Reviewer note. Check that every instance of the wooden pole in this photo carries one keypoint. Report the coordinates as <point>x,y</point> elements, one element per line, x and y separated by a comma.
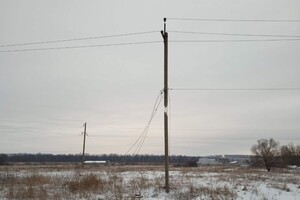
<point>165,37</point>
<point>84,136</point>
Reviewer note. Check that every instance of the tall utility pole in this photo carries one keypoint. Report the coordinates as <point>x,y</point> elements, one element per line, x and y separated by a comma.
<point>84,135</point>
<point>165,37</point>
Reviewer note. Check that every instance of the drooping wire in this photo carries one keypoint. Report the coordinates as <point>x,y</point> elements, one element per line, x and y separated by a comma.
<point>78,39</point>
<point>142,137</point>
<point>140,140</point>
<point>147,128</point>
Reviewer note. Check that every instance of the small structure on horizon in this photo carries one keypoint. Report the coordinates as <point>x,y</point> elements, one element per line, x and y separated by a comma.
<point>208,161</point>
<point>97,162</point>
<point>238,160</point>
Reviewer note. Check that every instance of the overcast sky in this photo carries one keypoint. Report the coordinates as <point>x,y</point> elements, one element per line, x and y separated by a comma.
<point>47,95</point>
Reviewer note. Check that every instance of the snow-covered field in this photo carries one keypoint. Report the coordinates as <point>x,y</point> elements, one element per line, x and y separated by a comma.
<point>124,182</point>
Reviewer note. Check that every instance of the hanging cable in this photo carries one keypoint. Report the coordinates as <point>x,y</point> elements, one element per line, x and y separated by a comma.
<point>142,135</point>
<point>145,131</point>
<point>147,128</point>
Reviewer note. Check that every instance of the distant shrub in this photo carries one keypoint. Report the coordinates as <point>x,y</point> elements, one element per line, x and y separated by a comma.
<point>3,158</point>
<point>290,154</point>
<point>191,163</point>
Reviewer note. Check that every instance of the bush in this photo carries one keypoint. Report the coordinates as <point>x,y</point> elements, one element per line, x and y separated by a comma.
<point>3,158</point>
<point>191,163</point>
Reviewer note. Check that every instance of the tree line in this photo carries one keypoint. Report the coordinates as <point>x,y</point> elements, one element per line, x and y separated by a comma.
<point>265,153</point>
<point>112,158</point>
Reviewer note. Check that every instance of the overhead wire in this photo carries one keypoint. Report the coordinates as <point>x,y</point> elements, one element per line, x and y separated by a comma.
<point>235,20</point>
<point>237,89</point>
<point>140,140</point>
<point>79,39</point>
<point>145,131</point>
<point>234,34</point>
<point>82,46</point>
<point>233,41</point>
<point>148,125</point>
<point>147,42</point>
<point>287,38</point>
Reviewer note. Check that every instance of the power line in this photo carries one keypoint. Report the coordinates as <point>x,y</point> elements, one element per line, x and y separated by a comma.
<point>140,140</point>
<point>233,41</point>
<point>146,42</point>
<point>142,137</point>
<point>78,39</point>
<point>234,20</point>
<point>156,105</point>
<point>78,47</point>
<point>231,129</point>
<point>235,34</point>
<point>237,89</point>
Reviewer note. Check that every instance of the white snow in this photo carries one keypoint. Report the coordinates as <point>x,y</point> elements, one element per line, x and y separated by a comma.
<point>185,183</point>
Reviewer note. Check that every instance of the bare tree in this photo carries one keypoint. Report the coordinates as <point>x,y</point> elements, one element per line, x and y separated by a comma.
<point>266,151</point>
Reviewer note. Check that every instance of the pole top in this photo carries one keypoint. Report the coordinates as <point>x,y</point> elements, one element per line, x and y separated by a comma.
<point>165,25</point>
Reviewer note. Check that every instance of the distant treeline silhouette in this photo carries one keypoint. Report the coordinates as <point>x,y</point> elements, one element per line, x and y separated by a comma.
<point>112,158</point>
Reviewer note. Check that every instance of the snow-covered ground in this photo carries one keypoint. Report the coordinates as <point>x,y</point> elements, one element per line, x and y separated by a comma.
<point>113,182</point>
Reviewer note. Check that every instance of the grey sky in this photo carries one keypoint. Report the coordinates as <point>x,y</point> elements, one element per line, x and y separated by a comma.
<point>46,96</point>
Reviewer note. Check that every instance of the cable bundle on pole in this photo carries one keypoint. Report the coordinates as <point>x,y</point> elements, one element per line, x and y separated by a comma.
<point>137,145</point>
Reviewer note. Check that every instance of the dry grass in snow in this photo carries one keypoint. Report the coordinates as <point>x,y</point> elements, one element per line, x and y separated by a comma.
<point>113,182</point>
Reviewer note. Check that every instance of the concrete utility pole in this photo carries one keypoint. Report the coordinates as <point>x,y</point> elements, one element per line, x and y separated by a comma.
<point>84,135</point>
<point>165,37</point>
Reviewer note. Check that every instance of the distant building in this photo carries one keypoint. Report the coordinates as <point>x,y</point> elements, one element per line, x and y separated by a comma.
<point>208,161</point>
<point>240,160</point>
<point>96,162</point>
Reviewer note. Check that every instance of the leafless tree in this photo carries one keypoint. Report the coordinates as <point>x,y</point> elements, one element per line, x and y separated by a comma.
<point>266,151</point>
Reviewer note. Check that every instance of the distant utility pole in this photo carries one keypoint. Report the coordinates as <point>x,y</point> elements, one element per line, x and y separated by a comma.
<point>165,37</point>
<point>84,135</point>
